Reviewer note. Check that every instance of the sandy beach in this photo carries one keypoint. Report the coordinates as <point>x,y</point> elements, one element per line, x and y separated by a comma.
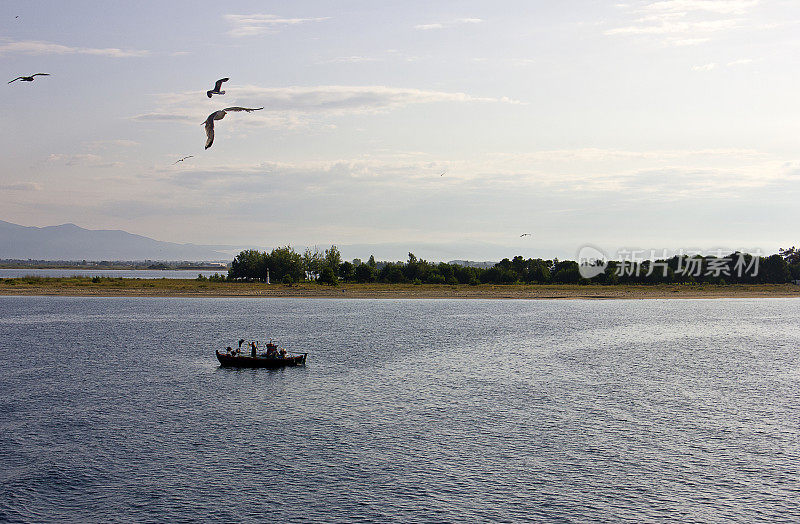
<point>178,288</point>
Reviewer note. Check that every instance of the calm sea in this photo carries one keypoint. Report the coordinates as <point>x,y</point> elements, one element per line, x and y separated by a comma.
<point>112,273</point>
<point>114,409</point>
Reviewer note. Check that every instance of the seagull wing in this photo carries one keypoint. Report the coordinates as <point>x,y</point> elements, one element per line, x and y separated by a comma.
<point>18,78</point>
<point>219,83</point>
<point>210,131</point>
<point>248,109</point>
<point>41,74</point>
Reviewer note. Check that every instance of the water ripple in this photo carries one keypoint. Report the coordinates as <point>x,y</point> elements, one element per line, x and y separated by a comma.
<point>408,411</point>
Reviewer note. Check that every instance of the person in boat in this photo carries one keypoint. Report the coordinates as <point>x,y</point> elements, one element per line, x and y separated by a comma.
<point>282,353</point>
<point>253,346</point>
<point>228,350</point>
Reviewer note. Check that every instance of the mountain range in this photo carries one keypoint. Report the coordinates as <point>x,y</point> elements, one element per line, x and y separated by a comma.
<point>70,242</point>
<point>74,243</point>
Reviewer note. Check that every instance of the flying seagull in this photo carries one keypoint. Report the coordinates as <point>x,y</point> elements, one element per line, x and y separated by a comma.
<point>525,235</point>
<point>182,159</point>
<point>29,78</point>
<point>216,90</point>
<point>219,115</point>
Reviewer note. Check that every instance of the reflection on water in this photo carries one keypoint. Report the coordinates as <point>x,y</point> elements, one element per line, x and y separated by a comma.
<point>407,411</point>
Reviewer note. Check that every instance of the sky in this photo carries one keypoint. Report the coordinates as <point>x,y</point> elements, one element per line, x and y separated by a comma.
<point>447,128</point>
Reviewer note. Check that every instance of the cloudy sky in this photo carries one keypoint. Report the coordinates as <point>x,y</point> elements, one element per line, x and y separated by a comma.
<point>650,124</point>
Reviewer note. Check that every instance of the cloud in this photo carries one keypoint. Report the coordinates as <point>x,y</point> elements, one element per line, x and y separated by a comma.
<point>256,24</point>
<point>726,7</point>
<point>293,106</point>
<point>671,28</point>
<point>312,199</point>
<point>337,198</point>
<point>558,170</point>
<point>684,22</point>
<point>705,67</point>
<point>36,47</point>
<point>520,62</point>
<point>81,160</point>
<point>352,99</point>
<point>21,186</point>
<point>169,117</point>
<point>102,144</point>
<point>451,23</point>
<point>679,42</point>
<point>349,59</point>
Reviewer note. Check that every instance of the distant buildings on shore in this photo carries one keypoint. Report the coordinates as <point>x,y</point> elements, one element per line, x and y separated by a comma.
<point>112,264</point>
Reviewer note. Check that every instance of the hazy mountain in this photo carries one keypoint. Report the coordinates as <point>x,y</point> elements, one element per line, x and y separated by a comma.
<point>70,242</point>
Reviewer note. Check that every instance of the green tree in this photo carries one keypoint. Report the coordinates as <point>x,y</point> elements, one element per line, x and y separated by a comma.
<point>313,262</point>
<point>249,265</point>
<point>365,273</point>
<point>491,275</point>
<point>536,271</point>
<point>790,255</point>
<point>411,270</point>
<point>333,259</point>
<point>284,261</point>
<point>347,271</point>
<point>519,265</point>
<point>446,270</point>
<point>327,277</point>
<point>792,258</point>
<point>466,274</point>
<point>566,272</point>
<point>392,273</point>
<point>774,270</point>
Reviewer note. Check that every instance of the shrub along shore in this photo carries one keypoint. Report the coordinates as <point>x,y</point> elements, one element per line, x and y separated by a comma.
<point>126,287</point>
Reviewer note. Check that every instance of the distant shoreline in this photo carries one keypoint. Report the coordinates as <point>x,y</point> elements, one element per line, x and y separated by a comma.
<point>111,287</point>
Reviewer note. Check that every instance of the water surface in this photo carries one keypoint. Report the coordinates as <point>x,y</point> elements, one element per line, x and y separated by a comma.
<point>114,409</point>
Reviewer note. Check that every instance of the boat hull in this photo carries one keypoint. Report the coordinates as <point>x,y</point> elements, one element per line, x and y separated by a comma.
<point>230,361</point>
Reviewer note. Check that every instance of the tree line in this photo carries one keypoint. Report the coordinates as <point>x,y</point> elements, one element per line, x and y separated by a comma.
<point>287,266</point>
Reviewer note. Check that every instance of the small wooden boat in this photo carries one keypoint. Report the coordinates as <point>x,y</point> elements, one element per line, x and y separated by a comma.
<point>271,359</point>
<point>241,361</point>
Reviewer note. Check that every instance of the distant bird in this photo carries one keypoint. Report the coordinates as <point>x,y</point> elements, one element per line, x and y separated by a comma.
<point>182,159</point>
<point>216,90</point>
<point>443,172</point>
<point>525,235</point>
<point>219,115</point>
<point>29,78</point>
